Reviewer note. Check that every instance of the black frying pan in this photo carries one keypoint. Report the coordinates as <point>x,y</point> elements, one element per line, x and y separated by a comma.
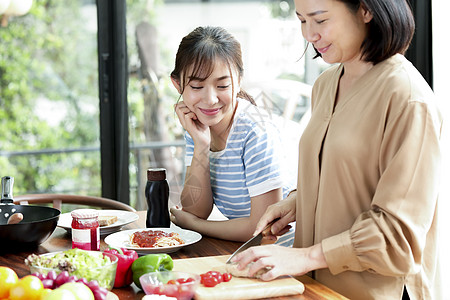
<point>37,225</point>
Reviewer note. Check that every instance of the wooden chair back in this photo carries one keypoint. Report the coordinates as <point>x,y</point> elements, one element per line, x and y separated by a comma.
<point>58,199</point>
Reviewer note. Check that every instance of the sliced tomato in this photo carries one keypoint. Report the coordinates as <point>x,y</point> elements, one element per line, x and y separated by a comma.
<point>226,277</point>
<point>216,274</point>
<point>185,280</point>
<point>210,281</point>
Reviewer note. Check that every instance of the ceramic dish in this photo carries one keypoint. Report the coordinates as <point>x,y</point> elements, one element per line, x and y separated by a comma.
<point>123,218</point>
<point>122,239</point>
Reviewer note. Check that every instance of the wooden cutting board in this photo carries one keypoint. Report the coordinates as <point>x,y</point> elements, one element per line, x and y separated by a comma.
<point>237,287</point>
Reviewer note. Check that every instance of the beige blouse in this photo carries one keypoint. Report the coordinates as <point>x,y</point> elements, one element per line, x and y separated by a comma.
<point>368,182</point>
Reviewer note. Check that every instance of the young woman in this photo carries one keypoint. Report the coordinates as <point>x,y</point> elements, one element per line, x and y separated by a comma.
<point>369,161</point>
<point>234,154</point>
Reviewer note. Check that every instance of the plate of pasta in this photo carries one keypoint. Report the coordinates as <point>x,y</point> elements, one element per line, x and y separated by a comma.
<point>153,240</point>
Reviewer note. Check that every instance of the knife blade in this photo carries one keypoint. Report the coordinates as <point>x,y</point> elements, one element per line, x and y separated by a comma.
<point>254,241</point>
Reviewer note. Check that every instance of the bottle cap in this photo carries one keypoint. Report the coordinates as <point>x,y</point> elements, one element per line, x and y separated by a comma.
<point>156,174</point>
<point>84,213</point>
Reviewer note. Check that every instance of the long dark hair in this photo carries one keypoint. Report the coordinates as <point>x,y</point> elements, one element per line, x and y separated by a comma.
<point>201,48</point>
<point>389,32</point>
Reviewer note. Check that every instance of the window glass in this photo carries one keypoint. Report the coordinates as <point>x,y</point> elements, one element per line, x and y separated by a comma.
<point>49,112</point>
<point>275,68</point>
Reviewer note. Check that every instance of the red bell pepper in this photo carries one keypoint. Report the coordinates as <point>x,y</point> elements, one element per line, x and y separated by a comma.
<point>124,274</point>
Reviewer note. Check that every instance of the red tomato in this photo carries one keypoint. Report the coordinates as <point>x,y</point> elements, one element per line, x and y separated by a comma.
<point>172,281</point>
<point>202,276</point>
<point>210,278</point>
<point>226,277</point>
<point>209,281</point>
<point>216,274</point>
<point>185,280</point>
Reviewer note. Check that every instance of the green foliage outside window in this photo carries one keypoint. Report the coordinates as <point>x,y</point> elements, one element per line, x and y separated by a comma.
<point>48,59</point>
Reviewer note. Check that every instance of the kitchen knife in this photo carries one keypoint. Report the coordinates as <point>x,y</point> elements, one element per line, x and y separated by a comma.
<point>254,241</point>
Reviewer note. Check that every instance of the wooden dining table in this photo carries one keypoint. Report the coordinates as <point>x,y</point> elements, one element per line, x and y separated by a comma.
<point>60,240</point>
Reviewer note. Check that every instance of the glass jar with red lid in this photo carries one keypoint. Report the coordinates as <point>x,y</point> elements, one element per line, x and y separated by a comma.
<point>85,229</point>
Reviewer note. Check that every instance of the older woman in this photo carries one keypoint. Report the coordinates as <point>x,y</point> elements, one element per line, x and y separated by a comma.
<point>369,161</point>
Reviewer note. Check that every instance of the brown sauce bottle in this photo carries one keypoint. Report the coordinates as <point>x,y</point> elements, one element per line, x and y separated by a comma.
<point>157,195</point>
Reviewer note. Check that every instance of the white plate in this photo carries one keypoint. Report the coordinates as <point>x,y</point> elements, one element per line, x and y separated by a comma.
<point>122,239</point>
<point>123,218</point>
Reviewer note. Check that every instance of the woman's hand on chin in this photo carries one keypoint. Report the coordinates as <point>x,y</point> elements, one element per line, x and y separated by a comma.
<point>188,119</point>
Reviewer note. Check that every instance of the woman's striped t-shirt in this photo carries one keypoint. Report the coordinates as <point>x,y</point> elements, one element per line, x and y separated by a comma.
<point>251,164</point>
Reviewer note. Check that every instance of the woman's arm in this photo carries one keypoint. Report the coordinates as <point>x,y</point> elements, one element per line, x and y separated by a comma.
<point>196,197</point>
<point>239,229</point>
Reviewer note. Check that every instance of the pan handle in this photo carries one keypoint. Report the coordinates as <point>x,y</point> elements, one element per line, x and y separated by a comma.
<point>7,189</point>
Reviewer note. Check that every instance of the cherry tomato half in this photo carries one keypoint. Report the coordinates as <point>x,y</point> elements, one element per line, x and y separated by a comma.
<point>216,274</point>
<point>209,280</point>
<point>226,277</point>
<point>185,280</point>
<point>217,277</point>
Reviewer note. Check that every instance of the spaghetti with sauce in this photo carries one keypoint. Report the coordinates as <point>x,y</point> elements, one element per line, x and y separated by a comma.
<point>155,239</point>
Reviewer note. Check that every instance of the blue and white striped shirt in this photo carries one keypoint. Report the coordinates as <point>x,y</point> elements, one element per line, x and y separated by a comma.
<point>251,164</point>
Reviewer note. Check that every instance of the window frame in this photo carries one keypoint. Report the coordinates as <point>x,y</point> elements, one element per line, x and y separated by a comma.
<point>113,82</point>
